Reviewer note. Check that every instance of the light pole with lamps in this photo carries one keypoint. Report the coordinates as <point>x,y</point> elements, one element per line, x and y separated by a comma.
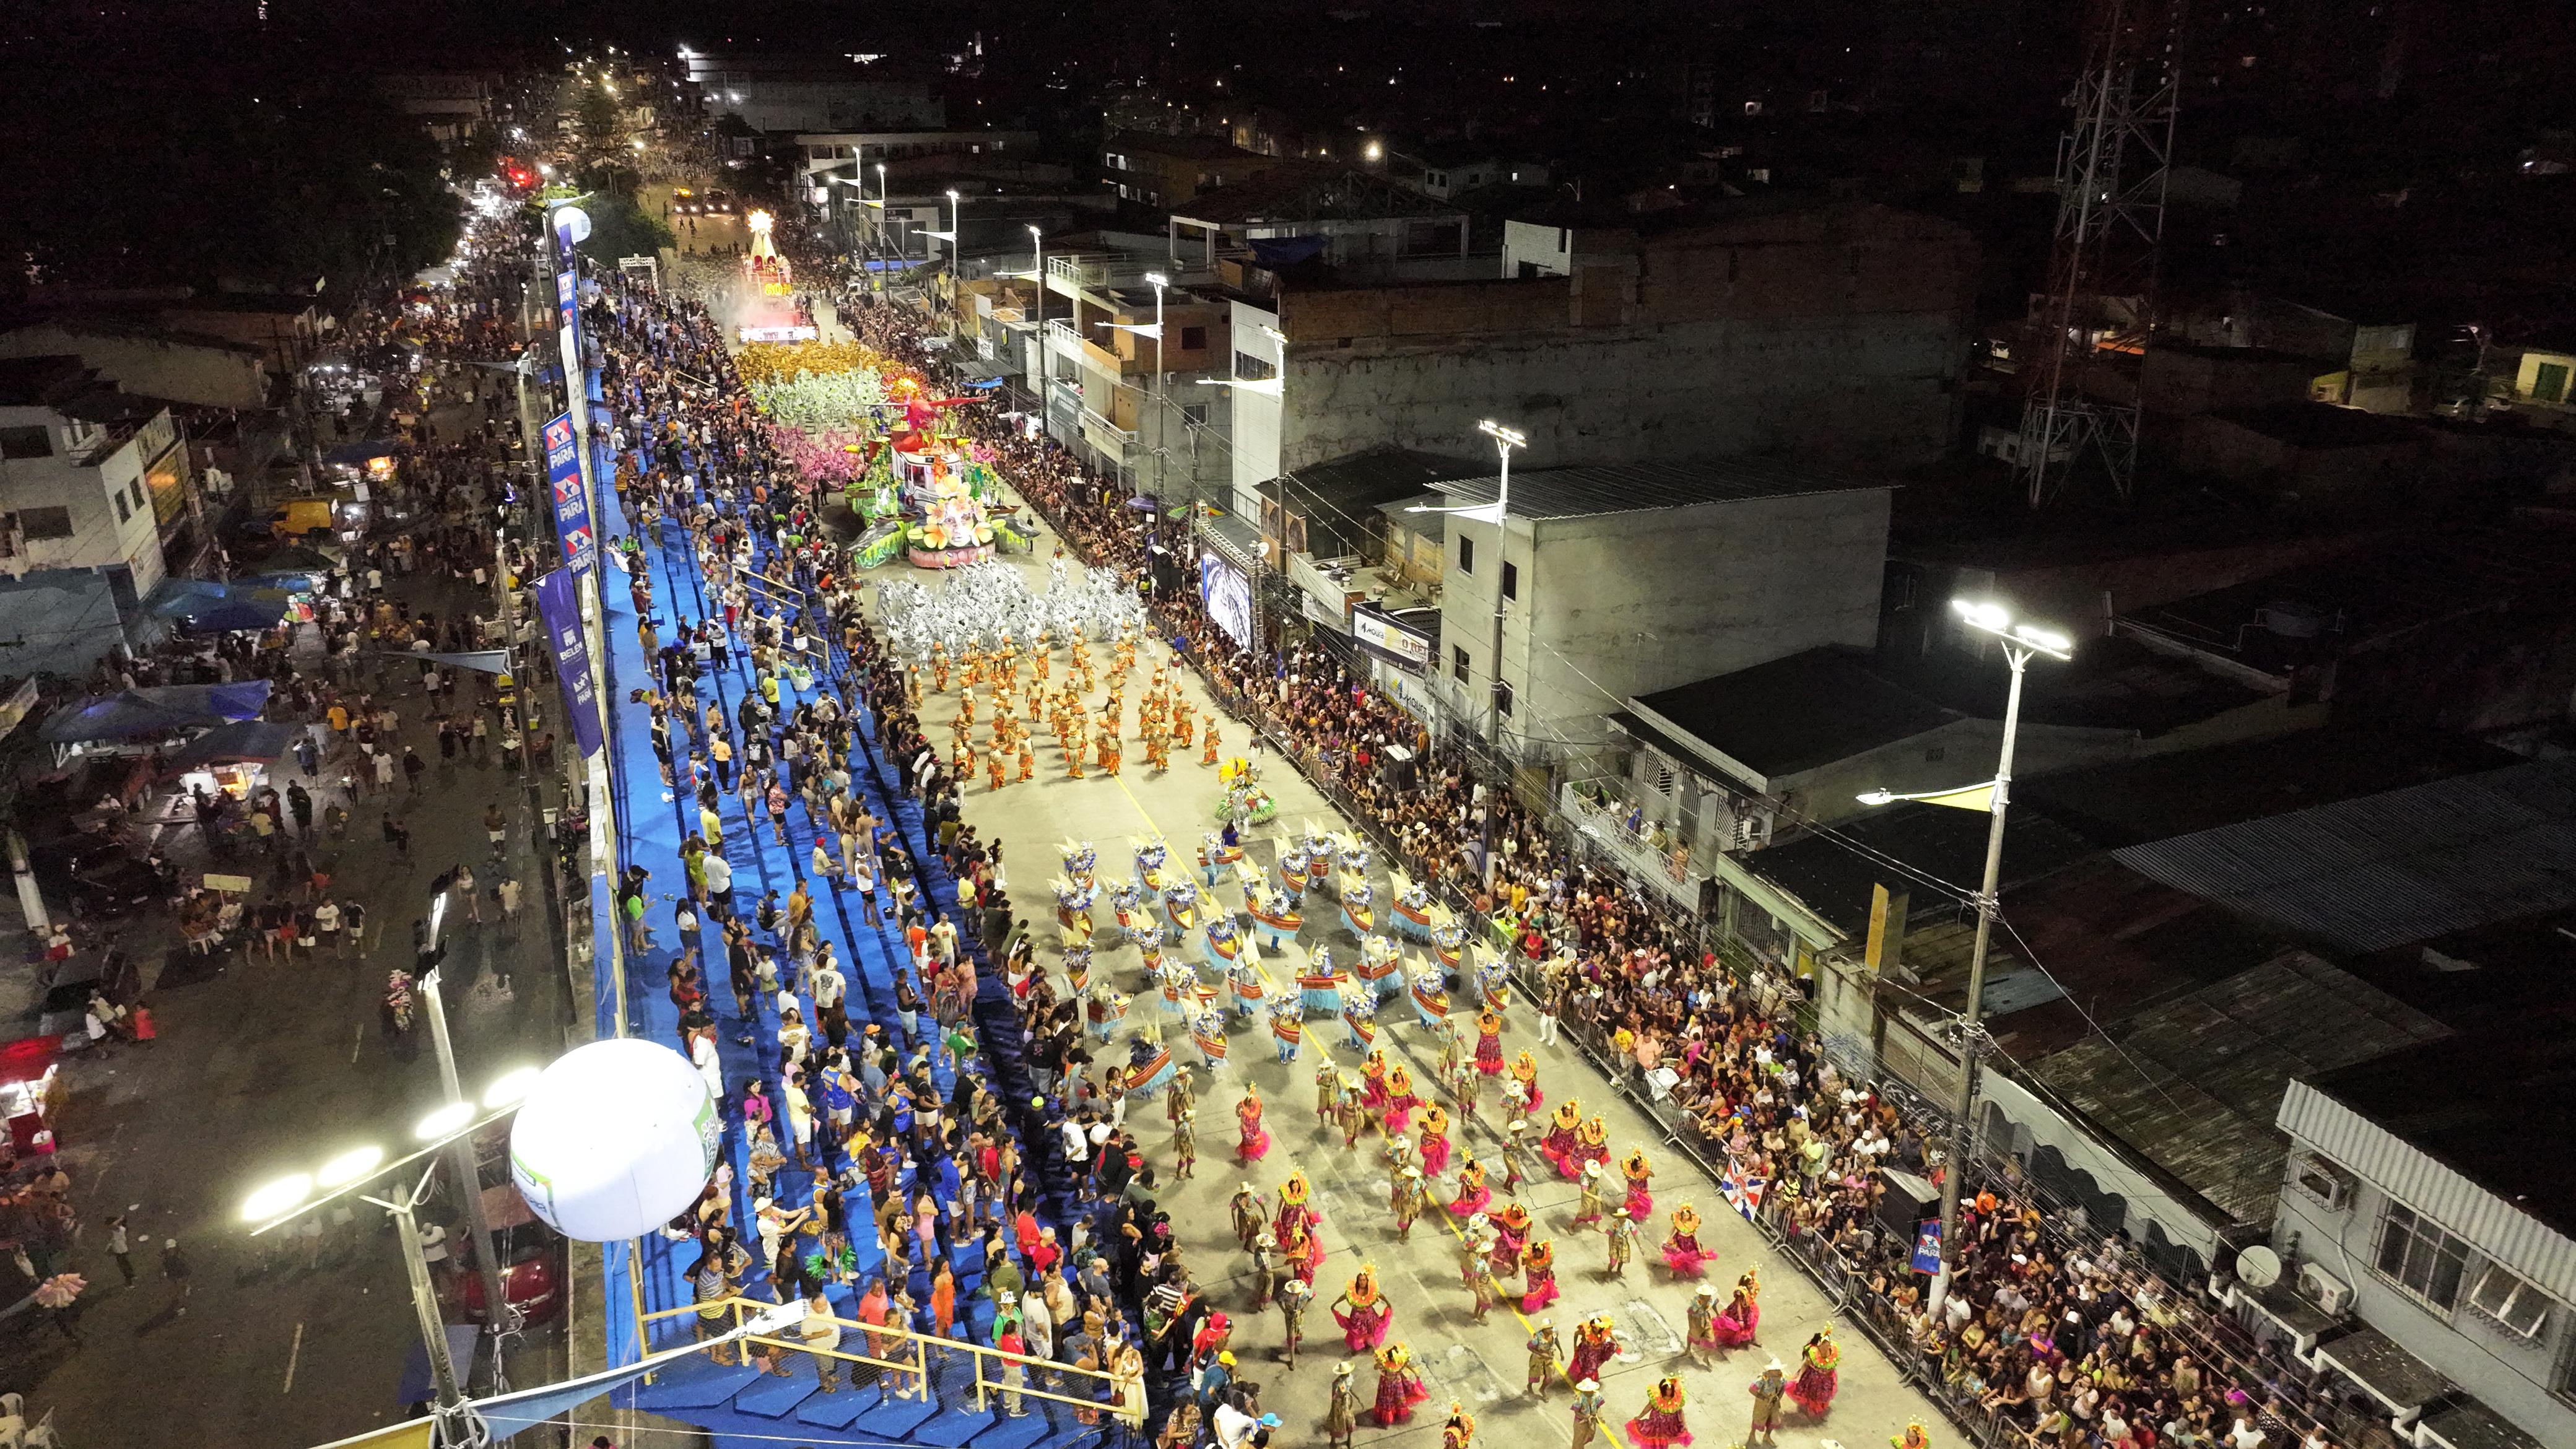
<point>2022,642</point>
<point>469,1170</point>
<point>1505,440</point>
<point>1037,274</point>
<point>288,1198</point>
<point>1158,281</point>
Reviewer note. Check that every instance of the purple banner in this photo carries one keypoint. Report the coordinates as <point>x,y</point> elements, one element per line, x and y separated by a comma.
<point>572,502</point>
<point>559,607</point>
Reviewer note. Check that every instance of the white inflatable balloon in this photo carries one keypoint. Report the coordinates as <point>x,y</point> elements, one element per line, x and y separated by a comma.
<point>616,1139</point>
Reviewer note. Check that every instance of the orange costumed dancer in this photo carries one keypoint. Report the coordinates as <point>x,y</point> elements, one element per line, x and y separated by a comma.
<point>1564,1135</point>
<point>1256,1138</point>
<point>1399,1387</point>
<point>1489,1042</point>
<point>1819,1374</point>
<point>1525,1072</point>
<point>1641,1203</point>
<point>1363,1312</point>
<point>1538,1275</point>
<point>1435,1140</point>
<point>1682,1251</point>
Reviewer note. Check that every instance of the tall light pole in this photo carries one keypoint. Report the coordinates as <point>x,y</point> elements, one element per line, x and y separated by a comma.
<point>1037,274</point>
<point>469,1171</point>
<point>956,231</point>
<point>2022,642</point>
<point>884,199</point>
<point>288,1198</point>
<point>1158,281</point>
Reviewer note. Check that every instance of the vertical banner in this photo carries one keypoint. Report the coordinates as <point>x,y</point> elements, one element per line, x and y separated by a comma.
<point>1927,1246</point>
<point>568,298</point>
<point>560,607</point>
<point>572,502</point>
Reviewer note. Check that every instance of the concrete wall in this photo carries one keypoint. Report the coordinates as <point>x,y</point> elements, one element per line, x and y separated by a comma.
<point>1257,415</point>
<point>1852,391</point>
<point>99,537</point>
<point>209,374</point>
<point>1630,603</point>
<point>2509,1373</point>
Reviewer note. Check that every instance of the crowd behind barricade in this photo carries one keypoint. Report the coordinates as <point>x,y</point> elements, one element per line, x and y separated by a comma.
<point>2053,1334</point>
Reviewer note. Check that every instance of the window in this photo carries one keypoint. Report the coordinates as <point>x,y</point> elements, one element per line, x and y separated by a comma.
<point>2508,1300</point>
<point>44,523</point>
<point>1503,699</point>
<point>2322,1180</point>
<point>1194,339</point>
<point>1457,660</point>
<point>1195,414</point>
<point>1466,555</point>
<point>2416,1255</point>
<point>1511,579</point>
<point>134,490</point>
<point>1248,368</point>
<point>124,510</point>
<point>35,442</point>
<point>2548,384</point>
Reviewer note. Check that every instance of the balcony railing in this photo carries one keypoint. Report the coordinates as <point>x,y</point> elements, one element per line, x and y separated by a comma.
<point>1061,338</point>
<point>1671,867</point>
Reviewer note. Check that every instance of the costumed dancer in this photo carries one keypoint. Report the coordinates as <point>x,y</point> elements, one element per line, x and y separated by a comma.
<point>1294,1295</point>
<point>1587,1412</point>
<point>1399,1387</point>
<point>1265,1270</point>
<point>1767,1391</point>
<point>1246,1208</point>
<point>1406,1202</point>
<point>1511,1235</point>
<point>1363,1311</point>
<point>1564,1135</point>
<point>1544,1351</point>
<point>1701,1330</point>
<point>1400,1099</point>
<point>1819,1374</point>
<point>1459,1432</point>
<point>1538,1276</point>
<point>1735,1327</point>
<point>1489,1042</point>
<point>1473,1195</point>
<point>1516,1155</point>
<point>1659,1425</point>
<point>1525,1073</point>
<point>1435,1140</point>
<point>1287,1031</point>
<point>1255,1138</point>
<point>1623,1242</point>
<point>1595,1344</point>
<point>1641,1203</point>
<point>1682,1252</point>
<point>1341,1414</point>
<point>1914,1437</point>
<point>1592,1144</point>
<point>1185,1143</point>
<point>1589,1213</point>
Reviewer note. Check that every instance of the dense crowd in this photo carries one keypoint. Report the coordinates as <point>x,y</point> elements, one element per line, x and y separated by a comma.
<point>2051,1331</point>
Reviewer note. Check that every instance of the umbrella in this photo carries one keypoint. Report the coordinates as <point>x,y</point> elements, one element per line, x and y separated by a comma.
<point>59,1290</point>
<point>254,741</point>
<point>204,604</point>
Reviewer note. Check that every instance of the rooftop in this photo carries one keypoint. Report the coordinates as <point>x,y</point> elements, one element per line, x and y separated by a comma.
<point>1203,148</point>
<point>2112,684</point>
<point>2498,1107</point>
<point>38,381</point>
<point>1596,489</point>
<point>1924,844</point>
<point>2194,1083</point>
<point>1795,713</point>
<point>1368,478</point>
<point>2381,870</point>
<point>1300,193</point>
<point>2134,801</point>
<point>2322,425</point>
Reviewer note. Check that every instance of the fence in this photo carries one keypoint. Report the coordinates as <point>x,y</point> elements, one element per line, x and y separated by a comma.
<point>1115,1395</point>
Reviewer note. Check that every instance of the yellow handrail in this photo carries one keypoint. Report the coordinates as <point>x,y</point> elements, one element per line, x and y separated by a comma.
<point>1126,1396</point>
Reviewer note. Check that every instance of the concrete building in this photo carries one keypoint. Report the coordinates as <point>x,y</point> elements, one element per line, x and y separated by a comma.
<point>288,329</point>
<point>783,95</point>
<point>1612,581</point>
<point>89,481</point>
<point>1444,170</point>
<point>2307,454</point>
<point>2544,383</point>
<point>1823,331</point>
<point>846,162</point>
<point>2363,348</point>
<point>197,368</point>
<point>1151,169</point>
<point>2427,1235</point>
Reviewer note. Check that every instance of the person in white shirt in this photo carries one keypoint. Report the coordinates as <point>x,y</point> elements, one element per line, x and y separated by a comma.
<point>821,1336</point>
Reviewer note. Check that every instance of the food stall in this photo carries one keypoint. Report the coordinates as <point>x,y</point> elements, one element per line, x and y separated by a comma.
<point>28,1070</point>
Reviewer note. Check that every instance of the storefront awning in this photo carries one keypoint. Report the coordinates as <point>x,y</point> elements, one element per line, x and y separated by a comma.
<point>2381,1369</point>
<point>2472,1425</point>
<point>250,741</point>
<point>142,714</point>
<point>205,604</point>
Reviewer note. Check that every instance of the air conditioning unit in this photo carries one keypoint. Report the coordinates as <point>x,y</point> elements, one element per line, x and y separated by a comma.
<point>2330,1293</point>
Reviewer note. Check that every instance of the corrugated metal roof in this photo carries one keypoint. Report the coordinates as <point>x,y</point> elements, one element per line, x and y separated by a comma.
<point>1600,488</point>
<point>2382,870</point>
<point>2493,1226</point>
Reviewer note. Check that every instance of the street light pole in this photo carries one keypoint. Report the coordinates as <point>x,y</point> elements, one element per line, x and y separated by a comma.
<point>1037,274</point>
<point>2022,642</point>
<point>1505,440</point>
<point>497,1312</point>
<point>448,1415</point>
<point>1159,282</point>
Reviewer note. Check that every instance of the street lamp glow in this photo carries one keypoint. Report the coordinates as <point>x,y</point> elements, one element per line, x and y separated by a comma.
<point>1508,437</point>
<point>277,1197</point>
<point>349,1166</point>
<point>444,1120</point>
<point>510,1088</point>
<point>1992,617</point>
<point>1995,619</point>
<point>1157,279</point>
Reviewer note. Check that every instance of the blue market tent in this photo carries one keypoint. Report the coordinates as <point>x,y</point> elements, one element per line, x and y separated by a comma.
<point>254,741</point>
<point>142,714</point>
<point>205,604</point>
<point>292,567</point>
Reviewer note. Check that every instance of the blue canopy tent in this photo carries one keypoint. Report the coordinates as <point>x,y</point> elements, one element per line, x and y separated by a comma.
<point>293,567</point>
<point>250,741</point>
<point>205,604</point>
<point>143,714</point>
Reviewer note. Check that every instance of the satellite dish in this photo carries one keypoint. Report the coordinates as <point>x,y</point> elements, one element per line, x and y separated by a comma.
<point>2258,1266</point>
